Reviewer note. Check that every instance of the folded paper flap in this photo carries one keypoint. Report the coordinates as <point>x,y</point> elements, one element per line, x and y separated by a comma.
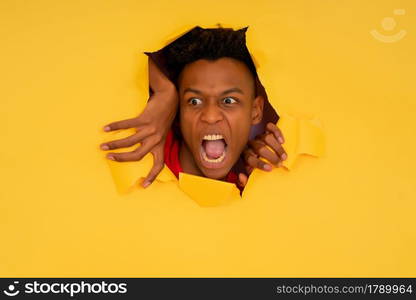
<point>289,128</point>
<point>302,136</point>
<point>126,175</point>
<point>310,139</point>
<point>206,191</point>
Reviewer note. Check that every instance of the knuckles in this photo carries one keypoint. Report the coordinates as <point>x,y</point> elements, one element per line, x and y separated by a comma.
<point>269,138</point>
<point>266,153</point>
<point>152,130</point>
<point>157,137</point>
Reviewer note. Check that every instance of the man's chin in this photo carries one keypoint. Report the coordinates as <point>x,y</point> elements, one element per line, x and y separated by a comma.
<point>216,174</point>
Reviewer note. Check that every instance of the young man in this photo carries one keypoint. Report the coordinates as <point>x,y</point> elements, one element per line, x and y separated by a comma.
<point>217,107</point>
<point>216,84</point>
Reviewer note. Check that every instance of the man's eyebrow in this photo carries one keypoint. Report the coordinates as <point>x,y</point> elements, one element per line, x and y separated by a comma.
<point>235,90</point>
<point>192,91</point>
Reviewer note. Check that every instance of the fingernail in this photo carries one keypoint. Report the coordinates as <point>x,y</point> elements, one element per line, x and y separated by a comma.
<point>107,128</point>
<point>105,147</point>
<point>267,167</point>
<point>284,156</point>
<point>281,141</point>
<point>109,156</point>
<point>146,184</point>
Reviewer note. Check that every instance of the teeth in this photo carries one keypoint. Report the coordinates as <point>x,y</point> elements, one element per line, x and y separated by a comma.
<point>213,137</point>
<point>217,160</point>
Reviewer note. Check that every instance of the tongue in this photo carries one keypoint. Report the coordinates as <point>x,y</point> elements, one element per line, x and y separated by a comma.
<point>214,149</point>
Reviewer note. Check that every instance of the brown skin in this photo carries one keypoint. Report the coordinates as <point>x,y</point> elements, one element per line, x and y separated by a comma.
<point>216,97</point>
<point>155,121</point>
<point>152,125</point>
<point>267,145</point>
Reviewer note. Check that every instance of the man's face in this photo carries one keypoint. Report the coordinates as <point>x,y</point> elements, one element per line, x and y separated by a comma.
<point>217,109</point>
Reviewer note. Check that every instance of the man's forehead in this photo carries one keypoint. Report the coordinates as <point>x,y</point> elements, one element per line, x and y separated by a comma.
<point>214,89</point>
<point>218,75</point>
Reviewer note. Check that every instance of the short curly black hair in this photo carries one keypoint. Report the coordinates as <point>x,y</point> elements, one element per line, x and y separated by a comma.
<point>211,44</point>
<point>201,43</point>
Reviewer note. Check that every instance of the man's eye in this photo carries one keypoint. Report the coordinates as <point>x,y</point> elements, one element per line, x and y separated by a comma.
<point>195,101</point>
<point>229,100</point>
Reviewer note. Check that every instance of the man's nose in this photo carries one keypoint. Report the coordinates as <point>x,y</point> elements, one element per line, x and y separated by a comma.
<point>211,114</point>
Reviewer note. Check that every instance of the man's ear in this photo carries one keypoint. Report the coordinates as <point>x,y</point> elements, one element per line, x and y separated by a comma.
<point>257,110</point>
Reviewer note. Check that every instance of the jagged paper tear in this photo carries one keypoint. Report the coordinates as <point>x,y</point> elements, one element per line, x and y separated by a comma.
<point>301,137</point>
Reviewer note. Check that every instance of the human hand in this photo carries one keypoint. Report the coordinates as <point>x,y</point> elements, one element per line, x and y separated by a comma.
<point>152,126</point>
<point>267,146</point>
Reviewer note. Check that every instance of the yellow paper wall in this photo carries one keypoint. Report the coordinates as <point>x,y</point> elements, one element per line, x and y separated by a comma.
<point>69,67</point>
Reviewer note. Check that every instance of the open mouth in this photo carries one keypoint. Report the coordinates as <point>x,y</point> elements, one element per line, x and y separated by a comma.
<point>213,149</point>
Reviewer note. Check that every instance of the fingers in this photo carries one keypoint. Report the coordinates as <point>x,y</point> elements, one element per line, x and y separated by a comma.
<point>135,155</point>
<point>124,124</point>
<point>276,132</point>
<point>242,180</point>
<point>249,169</point>
<point>261,149</point>
<point>126,142</point>
<point>158,164</point>
<point>273,143</point>
<point>253,161</point>
<point>273,138</point>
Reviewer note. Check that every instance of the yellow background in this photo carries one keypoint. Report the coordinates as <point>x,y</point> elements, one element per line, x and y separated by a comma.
<point>69,67</point>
